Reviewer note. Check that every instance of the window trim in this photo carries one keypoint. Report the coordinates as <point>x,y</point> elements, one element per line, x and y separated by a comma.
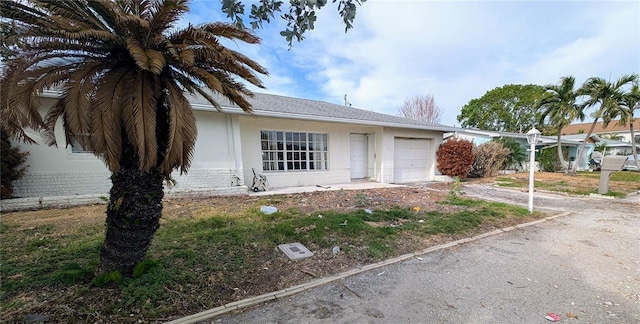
<point>75,144</point>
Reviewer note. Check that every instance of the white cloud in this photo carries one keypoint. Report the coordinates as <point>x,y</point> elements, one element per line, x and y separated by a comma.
<point>455,51</point>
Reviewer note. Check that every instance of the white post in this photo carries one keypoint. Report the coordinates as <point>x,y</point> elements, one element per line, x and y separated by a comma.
<point>532,162</point>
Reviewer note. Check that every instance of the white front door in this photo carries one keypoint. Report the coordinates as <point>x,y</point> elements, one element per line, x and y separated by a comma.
<point>358,156</point>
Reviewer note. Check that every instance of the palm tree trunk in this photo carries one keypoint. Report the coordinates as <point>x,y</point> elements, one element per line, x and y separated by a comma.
<point>133,215</point>
<point>559,145</point>
<point>634,151</point>
<point>584,143</point>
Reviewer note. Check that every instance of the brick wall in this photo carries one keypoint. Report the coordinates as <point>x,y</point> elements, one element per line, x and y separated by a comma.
<point>60,184</point>
<point>47,184</point>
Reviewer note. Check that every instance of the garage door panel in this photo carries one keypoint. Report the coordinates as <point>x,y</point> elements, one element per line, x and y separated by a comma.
<point>412,159</point>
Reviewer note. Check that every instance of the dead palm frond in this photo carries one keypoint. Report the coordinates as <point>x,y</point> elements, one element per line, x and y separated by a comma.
<point>122,71</point>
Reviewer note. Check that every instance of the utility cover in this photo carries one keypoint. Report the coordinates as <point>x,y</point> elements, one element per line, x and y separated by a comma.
<point>295,251</point>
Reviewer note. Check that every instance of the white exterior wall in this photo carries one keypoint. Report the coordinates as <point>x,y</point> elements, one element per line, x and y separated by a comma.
<point>387,149</point>
<point>227,147</point>
<point>55,171</point>
<point>216,160</point>
<point>338,151</point>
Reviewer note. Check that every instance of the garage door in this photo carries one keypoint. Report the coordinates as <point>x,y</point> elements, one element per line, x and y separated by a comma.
<point>412,159</point>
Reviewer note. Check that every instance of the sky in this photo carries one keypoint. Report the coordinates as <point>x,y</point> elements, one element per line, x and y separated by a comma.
<point>455,51</point>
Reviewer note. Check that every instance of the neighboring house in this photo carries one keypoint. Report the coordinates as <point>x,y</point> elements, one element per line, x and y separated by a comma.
<point>616,147</point>
<point>613,130</point>
<point>293,142</point>
<point>569,144</point>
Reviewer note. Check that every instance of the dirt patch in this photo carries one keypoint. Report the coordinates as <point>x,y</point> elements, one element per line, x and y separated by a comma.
<point>273,271</point>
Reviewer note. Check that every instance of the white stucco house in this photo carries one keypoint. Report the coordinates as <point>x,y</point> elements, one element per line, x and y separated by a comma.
<point>293,142</point>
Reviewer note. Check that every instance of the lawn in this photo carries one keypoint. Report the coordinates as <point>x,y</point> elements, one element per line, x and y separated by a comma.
<point>584,183</point>
<point>212,251</point>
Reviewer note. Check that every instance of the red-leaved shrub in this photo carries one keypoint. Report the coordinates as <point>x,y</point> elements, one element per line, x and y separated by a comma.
<point>455,157</point>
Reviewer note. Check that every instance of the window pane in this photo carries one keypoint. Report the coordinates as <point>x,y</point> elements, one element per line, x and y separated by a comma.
<point>294,151</point>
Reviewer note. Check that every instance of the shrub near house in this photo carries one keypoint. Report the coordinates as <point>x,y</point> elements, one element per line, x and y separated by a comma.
<point>490,157</point>
<point>455,157</point>
<point>13,167</point>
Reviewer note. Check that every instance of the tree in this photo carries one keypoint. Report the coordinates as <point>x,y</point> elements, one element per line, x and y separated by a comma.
<point>631,102</point>
<point>609,97</point>
<point>517,153</point>
<point>13,167</point>
<point>123,68</point>
<point>422,108</point>
<point>560,108</point>
<point>300,18</point>
<point>510,108</point>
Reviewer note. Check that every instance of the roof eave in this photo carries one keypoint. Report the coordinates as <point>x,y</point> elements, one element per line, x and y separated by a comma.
<point>274,114</point>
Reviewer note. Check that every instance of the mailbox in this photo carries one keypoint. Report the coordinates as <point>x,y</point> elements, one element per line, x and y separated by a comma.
<point>610,164</point>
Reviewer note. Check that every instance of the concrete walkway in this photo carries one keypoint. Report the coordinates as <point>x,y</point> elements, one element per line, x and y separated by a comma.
<point>353,185</point>
<point>583,264</point>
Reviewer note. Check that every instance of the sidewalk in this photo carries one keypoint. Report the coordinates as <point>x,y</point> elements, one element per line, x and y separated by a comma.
<point>354,185</point>
<point>582,265</point>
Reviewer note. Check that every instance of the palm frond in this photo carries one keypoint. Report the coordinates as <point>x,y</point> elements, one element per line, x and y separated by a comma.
<point>143,108</point>
<point>182,133</point>
<point>123,70</point>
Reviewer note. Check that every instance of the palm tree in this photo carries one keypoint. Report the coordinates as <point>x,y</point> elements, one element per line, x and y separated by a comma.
<point>631,102</point>
<point>608,95</point>
<point>559,104</point>
<point>123,69</point>
<point>517,154</point>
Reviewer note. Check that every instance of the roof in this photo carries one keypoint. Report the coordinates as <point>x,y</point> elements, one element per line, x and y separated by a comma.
<point>275,106</point>
<point>615,143</point>
<point>544,140</point>
<point>584,127</point>
<point>268,105</point>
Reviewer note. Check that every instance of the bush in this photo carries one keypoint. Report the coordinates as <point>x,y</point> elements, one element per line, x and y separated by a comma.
<point>489,158</point>
<point>517,154</point>
<point>13,167</point>
<point>548,161</point>
<point>455,157</point>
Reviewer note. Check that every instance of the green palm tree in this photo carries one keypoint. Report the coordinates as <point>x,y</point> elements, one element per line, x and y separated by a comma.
<point>609,96</point>
<point>123,69</point>
<point>517,154</point>
<point>631,102</point>
<point>559,106</point>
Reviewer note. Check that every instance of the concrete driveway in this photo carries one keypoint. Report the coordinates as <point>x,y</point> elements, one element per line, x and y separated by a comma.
<point>584,266</point>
